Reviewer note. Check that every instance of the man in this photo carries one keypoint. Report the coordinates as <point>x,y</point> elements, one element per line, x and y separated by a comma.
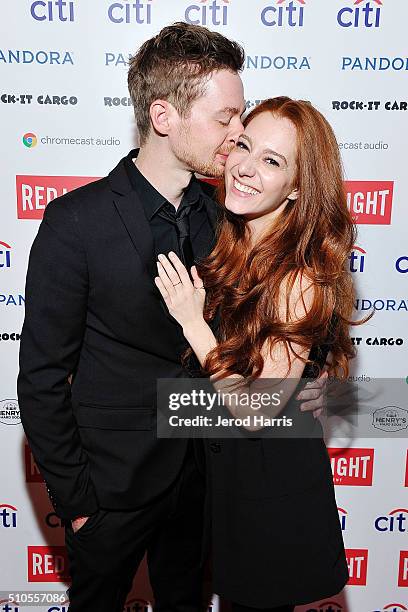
<point>121,491</point>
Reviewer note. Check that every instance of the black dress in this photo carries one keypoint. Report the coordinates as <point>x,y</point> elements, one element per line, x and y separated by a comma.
<point>276,535</point>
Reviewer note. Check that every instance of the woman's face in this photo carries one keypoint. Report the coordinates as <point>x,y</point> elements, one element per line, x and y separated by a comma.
<point>260,170</point>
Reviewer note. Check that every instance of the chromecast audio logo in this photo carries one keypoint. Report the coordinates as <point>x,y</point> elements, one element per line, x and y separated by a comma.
<point>29,140</point>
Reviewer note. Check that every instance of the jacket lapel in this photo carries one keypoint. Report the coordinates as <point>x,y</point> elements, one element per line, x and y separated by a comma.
<point>133,217</point>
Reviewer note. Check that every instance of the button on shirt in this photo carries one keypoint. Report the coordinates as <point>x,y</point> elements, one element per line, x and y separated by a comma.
<point>159,211</point>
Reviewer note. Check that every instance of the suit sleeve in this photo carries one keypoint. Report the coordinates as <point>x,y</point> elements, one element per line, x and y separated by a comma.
<point>53,330</point>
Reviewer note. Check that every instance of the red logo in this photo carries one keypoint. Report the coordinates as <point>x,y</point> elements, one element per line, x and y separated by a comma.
<point>352,466</point>
<point>357,559</point>
<point>370,202</point>
<point>47,564</point>
<point>403,569</point>
<point>35,192</point>
<point>406,471</point>
<point>31,469</point>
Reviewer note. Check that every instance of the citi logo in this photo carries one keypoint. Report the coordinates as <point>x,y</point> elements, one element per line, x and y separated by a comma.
<point>7,607</point>
<point>8,516</point>
<point>5,257</point>
<point>327,606</point>
<point>357,259</point>
<point>290,14</point>
<point>208,13</point>
<point>357,560</point>
<point>364,14</point>
<point>394,521</point>
<point>139,11</point>
<point>59,10</point>
<point>343,518</point>
<point>392,607</point>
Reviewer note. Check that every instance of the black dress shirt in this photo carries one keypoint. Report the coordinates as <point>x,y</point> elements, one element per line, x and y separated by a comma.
<point>163,230</point>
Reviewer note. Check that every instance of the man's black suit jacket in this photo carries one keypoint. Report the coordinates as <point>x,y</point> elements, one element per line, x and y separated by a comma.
<point>92,309</point>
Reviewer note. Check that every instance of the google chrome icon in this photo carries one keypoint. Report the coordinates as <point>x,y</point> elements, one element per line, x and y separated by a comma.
<point>30,140</point>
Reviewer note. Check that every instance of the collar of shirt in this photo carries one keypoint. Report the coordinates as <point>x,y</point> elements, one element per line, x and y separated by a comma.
<point>152,200</point>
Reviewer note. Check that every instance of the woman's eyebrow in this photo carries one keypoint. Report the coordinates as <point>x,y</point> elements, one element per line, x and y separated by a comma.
<point>265,150</point>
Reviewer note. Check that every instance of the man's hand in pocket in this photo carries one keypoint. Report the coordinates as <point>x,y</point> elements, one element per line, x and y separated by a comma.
<point>78,523</point>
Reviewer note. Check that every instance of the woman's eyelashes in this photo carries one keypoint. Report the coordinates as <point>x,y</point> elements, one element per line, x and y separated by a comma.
<point>269,160</point>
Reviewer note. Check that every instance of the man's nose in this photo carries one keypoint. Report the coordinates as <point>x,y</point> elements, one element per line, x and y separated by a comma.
<point>236,130</point>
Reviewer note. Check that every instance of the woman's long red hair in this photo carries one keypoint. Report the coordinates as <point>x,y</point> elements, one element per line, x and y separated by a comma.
<point>313,235</point>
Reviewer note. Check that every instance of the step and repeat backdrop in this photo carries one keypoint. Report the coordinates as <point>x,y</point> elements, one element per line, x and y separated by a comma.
<point>66,119</point>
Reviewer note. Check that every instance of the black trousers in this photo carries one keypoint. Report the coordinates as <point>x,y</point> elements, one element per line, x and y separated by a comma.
<point>105,553</point>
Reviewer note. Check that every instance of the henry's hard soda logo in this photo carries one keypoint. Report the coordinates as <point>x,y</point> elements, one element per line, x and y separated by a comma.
<point>394,521</point>
<point>8,516</point>
<point>363,14</point>
<point>284,13</point>
<point>352,466</point>
<point>403,569</point>
<point>357,559</point>
<point>208,13</point>
<point>370,202</point>
<point>47,564</point>
<point>35,192</point>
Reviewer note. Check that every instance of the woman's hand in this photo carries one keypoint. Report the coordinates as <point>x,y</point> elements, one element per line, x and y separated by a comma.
<point>184,299</point>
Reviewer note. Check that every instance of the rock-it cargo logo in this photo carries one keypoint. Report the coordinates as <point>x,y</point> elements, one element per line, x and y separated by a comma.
<point>352,466</point>
<point>395,521</point>
<point>357,560</point>
<point>363,14</point>
<point>403,569</point>
<point>390,418</point>
<point>30,140</point>
<point>285,13</point>
<point>370,202</point>
<point>327,606</point>
<point>9,412</point>
<point>8,516</point>
<point>5,255</point>
<point>208,13</point>
<point>47,564</point>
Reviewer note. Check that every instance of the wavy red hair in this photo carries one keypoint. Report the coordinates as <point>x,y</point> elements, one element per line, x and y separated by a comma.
<point>313,236</point>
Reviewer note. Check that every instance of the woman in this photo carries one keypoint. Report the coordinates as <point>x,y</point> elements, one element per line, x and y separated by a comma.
<point>277,282</point>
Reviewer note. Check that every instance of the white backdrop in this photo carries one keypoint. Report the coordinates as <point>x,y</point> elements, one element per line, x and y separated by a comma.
<point>66,119</point>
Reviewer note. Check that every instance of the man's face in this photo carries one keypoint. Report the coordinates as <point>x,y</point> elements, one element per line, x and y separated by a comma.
<point>203,139</point>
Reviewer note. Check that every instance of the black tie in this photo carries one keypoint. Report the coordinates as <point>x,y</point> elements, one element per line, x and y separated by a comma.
<point>182,223</point>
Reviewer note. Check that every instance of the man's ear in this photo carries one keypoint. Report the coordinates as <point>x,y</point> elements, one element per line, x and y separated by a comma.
<point>293,195</point>
<point>161,115</point>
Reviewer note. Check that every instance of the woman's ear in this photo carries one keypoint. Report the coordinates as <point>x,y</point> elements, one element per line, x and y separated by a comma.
<point>293,195</point>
